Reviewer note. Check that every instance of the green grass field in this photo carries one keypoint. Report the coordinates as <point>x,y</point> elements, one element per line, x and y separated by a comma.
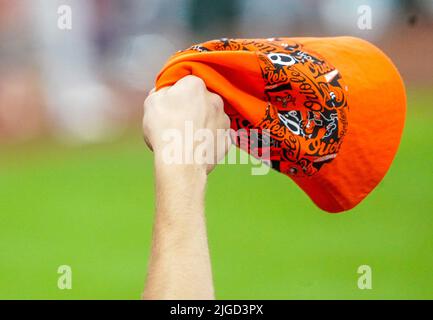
<point>91,208</point>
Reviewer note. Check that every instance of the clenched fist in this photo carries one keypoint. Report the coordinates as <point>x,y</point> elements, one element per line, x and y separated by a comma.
<point>186,122</point>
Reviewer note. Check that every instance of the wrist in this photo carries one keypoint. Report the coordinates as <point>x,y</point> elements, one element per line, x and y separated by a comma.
<point>180,187</point>
<point>190,169</point>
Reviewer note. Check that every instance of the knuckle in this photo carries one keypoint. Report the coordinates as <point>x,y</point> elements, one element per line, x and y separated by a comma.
<point>149,100</point>
<point>196,81</point>
<point>217,101</point>
<point>191,82</point>
<point>226,121</point>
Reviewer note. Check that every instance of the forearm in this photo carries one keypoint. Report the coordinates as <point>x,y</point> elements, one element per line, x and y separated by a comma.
<point>179,264</point>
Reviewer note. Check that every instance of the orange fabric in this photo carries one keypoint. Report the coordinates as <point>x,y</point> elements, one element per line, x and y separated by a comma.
<point>334,107</point>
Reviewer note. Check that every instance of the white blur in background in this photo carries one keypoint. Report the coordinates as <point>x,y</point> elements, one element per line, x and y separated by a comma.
<point>87,84</point>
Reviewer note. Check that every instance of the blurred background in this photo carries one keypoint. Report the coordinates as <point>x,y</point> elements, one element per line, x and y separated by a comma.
<point>76,184</point>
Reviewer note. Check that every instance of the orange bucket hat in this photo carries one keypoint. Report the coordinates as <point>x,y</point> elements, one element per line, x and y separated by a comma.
<point>334,108</point>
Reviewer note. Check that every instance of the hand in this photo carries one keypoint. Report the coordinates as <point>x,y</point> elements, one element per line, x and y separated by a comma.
<point>179,265</point>
<point>176,109</point>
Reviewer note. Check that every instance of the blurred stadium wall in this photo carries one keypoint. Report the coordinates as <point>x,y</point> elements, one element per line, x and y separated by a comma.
<point>87,84</point>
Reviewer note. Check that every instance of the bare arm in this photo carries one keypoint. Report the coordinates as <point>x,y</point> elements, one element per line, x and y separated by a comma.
<point>180,263</point>
<point>179,266</point>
